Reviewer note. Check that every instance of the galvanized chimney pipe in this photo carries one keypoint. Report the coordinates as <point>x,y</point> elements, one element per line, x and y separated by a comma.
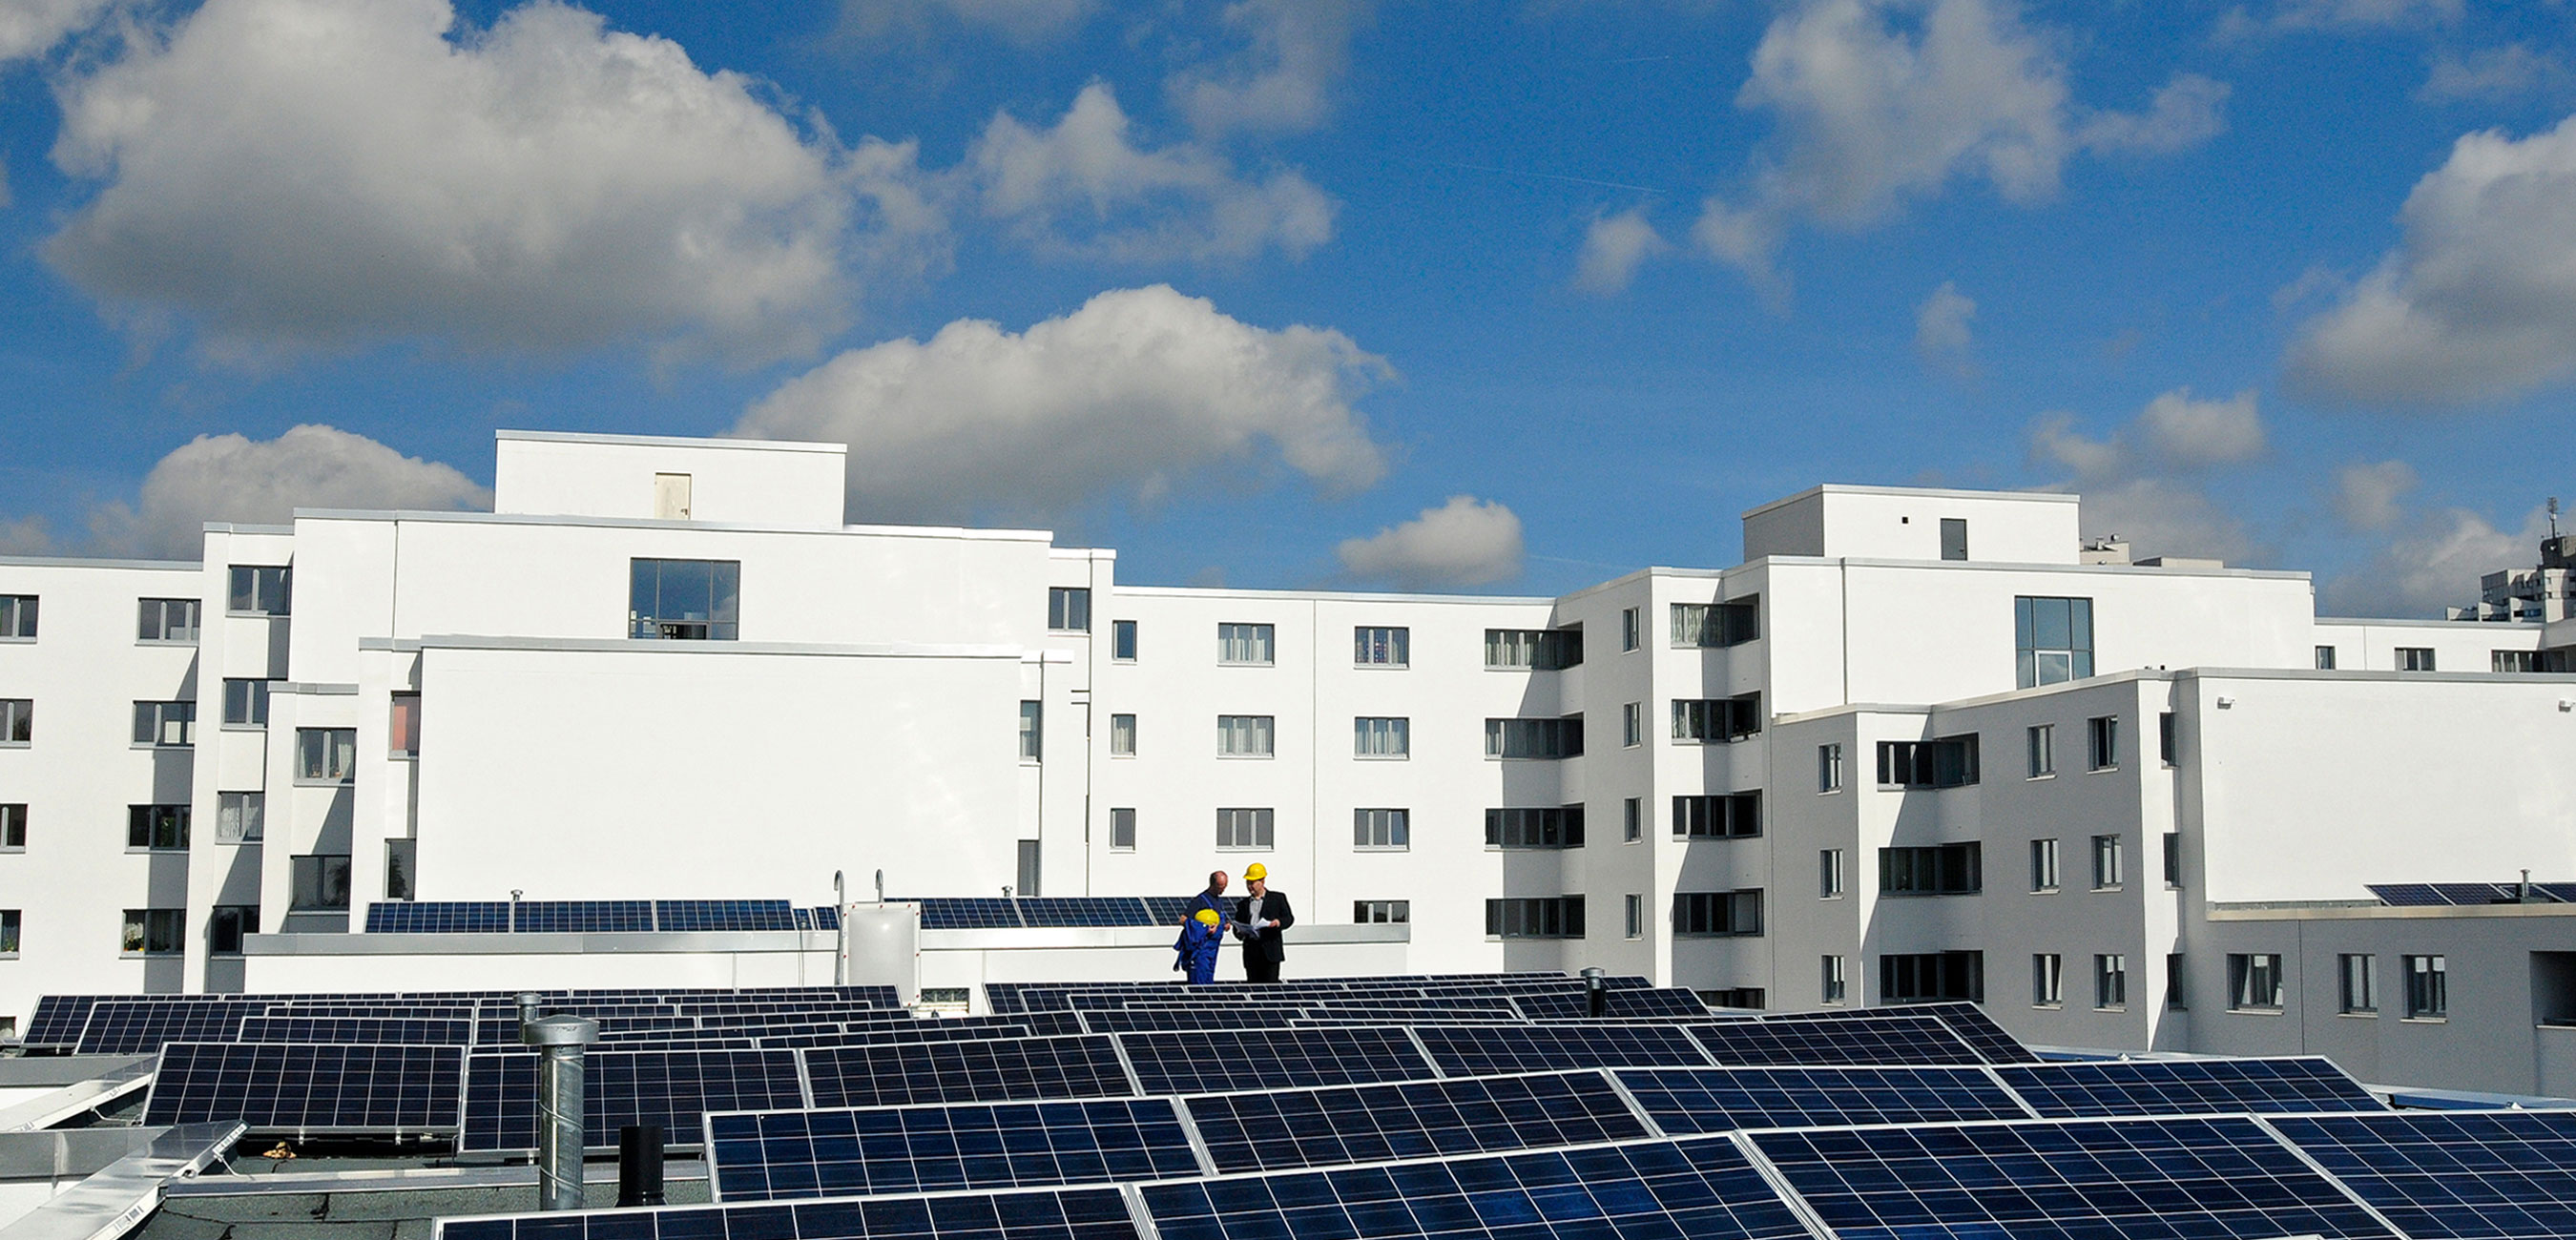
<point>560,1136</point>
<point>1596,992</point>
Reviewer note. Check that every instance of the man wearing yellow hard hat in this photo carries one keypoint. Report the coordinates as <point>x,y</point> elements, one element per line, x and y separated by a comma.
<point>1258,919</point>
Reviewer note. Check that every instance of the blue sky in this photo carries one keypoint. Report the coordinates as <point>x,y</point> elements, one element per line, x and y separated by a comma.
<point>1508,296</point>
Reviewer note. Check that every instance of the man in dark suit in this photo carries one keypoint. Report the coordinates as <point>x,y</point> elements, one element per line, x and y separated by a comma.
<point>1258,919</point>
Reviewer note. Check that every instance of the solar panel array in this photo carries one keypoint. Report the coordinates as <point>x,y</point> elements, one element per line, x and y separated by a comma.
<point>840,1153</point>
<point>2199,1086</point>
<point>1037,1214</point>
<point>592,916</point>
<point>2505,1174</point>
<point>986,1071</point>
<point>2425,895</point>
<point>1268,1131</point>
<point>1230,1059</point>
<point>1698,1100</point>
<point>1882,1036</point>
<point>1482,1050</point>
<point>671,1088</point>
<point>304,1088</point>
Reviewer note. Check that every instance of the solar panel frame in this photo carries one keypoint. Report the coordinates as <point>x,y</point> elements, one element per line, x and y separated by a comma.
<point>1081,911</point>
<point>787,1155</point>
<point>1273,1130</point>
<point>57,1020</point>
<point>1228,1060</point>
<point>142,1026</point>
<point>2278,1084</point>
<point>1881,1036</point>
<point>669,1087</point>
<point>2452,1175</point>
<point>1487,1050</point>
<point>1687,1101</point>
<point>438,917</point>
<point>582,917</point>
<point>1970,1022</point>
<point>970,913</point>
<point>454,1030</point>
<point>1020,1214</point>
<point>307,1088</point>
<point>980,1070</point>
<point>704,916</point>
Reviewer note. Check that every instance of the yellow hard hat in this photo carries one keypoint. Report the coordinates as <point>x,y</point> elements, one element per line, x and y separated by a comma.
<point>1256,870</point>
<point>1207,917</point>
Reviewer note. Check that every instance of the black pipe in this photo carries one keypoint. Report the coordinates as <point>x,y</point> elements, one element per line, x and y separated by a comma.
<point>639,1165</point>
<point>1596,993</point>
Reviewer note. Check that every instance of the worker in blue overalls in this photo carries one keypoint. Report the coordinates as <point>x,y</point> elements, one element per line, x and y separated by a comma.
<point>1211,901</point>
<point>1200,939</point>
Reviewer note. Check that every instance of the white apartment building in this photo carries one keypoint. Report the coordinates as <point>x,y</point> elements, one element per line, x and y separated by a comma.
<point>1916,745</point>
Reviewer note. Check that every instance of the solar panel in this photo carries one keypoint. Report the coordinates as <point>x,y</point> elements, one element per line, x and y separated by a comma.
<point>2476,893</point>
<point>2190,1086</point>
<point>1647,1191</point>
<point>582,917</point>
<point>1082,911</point>
<point>141,1026</point>
<point>1550,1005</point>
<point>1979,1030</point>
<point>848,1153</point>
<point>1654,1001</point>
<point>1223,1060</point>
<point>1273,1130</point>
<point>1698,1100</point>
<point>282,1088</point>
<point>2564,893</point>
<point>991,1070</point>
<point>452,1030</point>
<point>689,916</point>
<point>980,913</point>
<point>439,917</point>
<point>1030,1214</point>
<point>1168,910</point>
<point>2502,1174</point>
<point>2407,895</point>
<point>58,1019</point>
<point>1859,1038</point>
<point>672,1088</point>
<point>1485,1050</point>
<point>2195,1177</point>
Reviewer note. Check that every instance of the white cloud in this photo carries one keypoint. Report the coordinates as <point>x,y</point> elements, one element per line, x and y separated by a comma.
<point>2367,497</point>
<point>1083,188</point>
<point>2479,300</point>
<point>1613,247</point>
<point>330,172</point>
<point>232,478</point>
<point>1284,83</point>
<point>33,27</point>
<point>25,536</point>
<point>1134,393</point>
<point>2186,112</point>
<point>2490,74</point>
<point>2435,563</point>
<point>2162,516</point>
<point>2337,14</point>
<point>1024,22</point>
<point>1465,542</point>
<point>1941,331</point>
<point>2175,433</point>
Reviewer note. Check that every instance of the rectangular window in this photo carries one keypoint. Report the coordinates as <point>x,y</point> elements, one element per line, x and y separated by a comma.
<point>154,932</point>
<point>1534,738</point>
<point>2110,981</point>
<point>259,590</point>
<point>2325,658</point>
<point>241,817</point>
<point>2108,871</point>
<point>2516,660</point>
<point>1949,762</point>
<point>2102,743</point>
<point>1069,609</point>
<point>2047,980</point>
<point>1632,724</point>
<point>1032,731</point>
<point>17,617</point>
<point>1931,870</point>
<point>1636,917</point>
<point>1716,624</point>
<point>2043,750</point>
<point>1381,912</point>
<point>1382,830</point>
<point>326,755</point>
<point>1382,646</point>
<point>1253,645</point>
<point>1829,767</point>
<point>1122,736</point>
<point>2428,988</point>
<point>13,827</point>
<point>2052,640</point>
<point>157,827</point>
<point>1837,987</point>
<point>2414,658</point>
<point>17,721</point>
<point>166,620</point>
<point>1538,917</point>
<point>226,926</point>
<point>245,703</point>
<point>1245,736</point>
<point>1630,621</point>
<point>1932,975</point>
<point>1718,816</point>
<point>1243,828</point>
<point>2173,859</point>
<point>1954,538</point>
<point>1381,737</point>
<point>1122,830</point>
<point>1032,856</point>
<point>1632,815</point>
<point>1829,873</point>
<point>2168,748</point>
<point>1717,914</point>
<point>1553,826</point>
<point>2359,992</point>
<point>1540,650</point>
<point>402,861</point>
<point>402,727</point>
<point>2043,865</point>
<point>1741,998</point>
<point>2177,996</point>
<point>9,922</point>
<point>1122,641</point>
<point>1712,721</point>
<point>684,600</point>
<point>318,881</point>
<point>165,723</point>
<point>2253,982</point>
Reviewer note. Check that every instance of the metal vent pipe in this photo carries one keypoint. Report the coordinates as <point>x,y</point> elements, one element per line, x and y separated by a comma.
<point>560,1135</point>
<point>1596,992</point>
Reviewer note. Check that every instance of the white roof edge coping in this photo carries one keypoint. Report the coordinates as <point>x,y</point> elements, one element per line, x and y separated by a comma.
<point>1854,488</point>
<point>2354,675</point>
<point>2143,570</point>
<point>2457,626</point>
<point>675,441</point>
<point>1328,596</point>
<point>629,645</point>
<point>307,688</point>
<point>237,527</point>
<point>528,518</point>
<point>1084,553</point>
<point>81,561</point>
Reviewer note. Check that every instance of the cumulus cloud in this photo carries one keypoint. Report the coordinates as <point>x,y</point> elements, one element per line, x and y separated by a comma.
<point>1881,101</point>
<point>232,478</point>
<point>1132,394</point>
<point>2163,516</point>
<point>2142,482</point>
<point>25,536</point>
<point>1613,247</point>
<point>1941,331</point>
<point>299,173</point>
<point>2479,300</point>
<point>2292,15</point>
<point>2434,563</point>
<point>33,27</point>
<point>1465,542</point>
<point>1284,82</point>
<point>2367,497</point>
<point>1083,188</point>
<point>2490,74</point>
<point>1024,22</point>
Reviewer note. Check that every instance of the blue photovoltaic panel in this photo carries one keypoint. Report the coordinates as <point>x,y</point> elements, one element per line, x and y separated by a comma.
<point>276,1088</point>
<point>441,917</point>
<point>1028,1214</point>
<point>58,1019</point>
<point>1979,1030</point>
<point>2407,895</point>
<point>970,913</point>
<point>683,916</point>
<point>987,1070</point>
<point>2190,1086</point>
<point>1484,1050</point>
<point>2472,1175</point>
<point>1226,1060</point>
<point>1275,1130</point>
<point>1697,1100</point>
<point>827,917</point>
<point>673,1088</point>
<point>1168,910</point>
<point>582,917</point>
<point>1082,911</point>
<point>451,1030</point>
<point>1654,1190</point>
<point>2162,1179</point>
<point>879,1035</point>
<point>2475,893</point>
<point>1654,1001</point>
<point>855,1153</point>
<point>141,1026</point>
<point>1554,1005</point>
<point>2564,893</point>
<point>1886,1037</point>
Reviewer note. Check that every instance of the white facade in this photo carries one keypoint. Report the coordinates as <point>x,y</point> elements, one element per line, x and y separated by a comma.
<point>860,708</point>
